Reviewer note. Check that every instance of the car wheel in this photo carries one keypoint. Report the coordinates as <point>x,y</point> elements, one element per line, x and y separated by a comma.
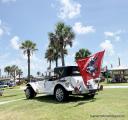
<point>30,93</point>
<point>60,94</point>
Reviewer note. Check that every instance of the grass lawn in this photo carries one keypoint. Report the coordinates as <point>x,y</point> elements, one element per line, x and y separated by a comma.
<point>107,102</point>
<point>11,94</point>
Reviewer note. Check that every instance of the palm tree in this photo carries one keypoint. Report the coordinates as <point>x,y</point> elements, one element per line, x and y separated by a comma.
<point>65,36</point>
<point>28,48</point>
<point>49,55</point>
<point>38,73</point>
<point>19,72</point>
<point>54,44</point>
<point>7,69</point>
<point>13,71</point>
<point>82,53</point>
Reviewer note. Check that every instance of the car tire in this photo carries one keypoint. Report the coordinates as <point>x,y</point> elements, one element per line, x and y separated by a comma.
<point>60,94</point>
<point>30,93</point>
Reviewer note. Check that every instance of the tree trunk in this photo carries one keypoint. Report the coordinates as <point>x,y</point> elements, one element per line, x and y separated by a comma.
<point>14,76</point>
<point>57,62</point>
<point>50,64</point>
<point>8,73</point>
<point>62,52</point>
<point>19,77</point>
<point>63,63</point>
<point>50,67</point>
<point>28,54</point>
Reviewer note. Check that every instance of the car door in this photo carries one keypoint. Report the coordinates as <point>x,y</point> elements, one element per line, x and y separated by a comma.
<point>49,83</point>
<point>49,86</point>
<point>40,86</point>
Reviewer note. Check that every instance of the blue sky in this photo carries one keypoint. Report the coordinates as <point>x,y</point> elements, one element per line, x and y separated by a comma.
<point>98,24</point>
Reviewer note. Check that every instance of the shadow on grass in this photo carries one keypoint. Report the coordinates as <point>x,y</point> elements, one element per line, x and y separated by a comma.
<point>85,102</point>
<point>80,100</point>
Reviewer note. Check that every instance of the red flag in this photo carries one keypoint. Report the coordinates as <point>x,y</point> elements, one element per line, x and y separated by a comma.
<point>90,67</point>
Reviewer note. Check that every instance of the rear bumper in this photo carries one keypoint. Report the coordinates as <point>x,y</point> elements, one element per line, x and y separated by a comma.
<point>93,91</point>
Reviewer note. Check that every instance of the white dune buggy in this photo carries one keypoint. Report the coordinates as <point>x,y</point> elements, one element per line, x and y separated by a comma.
<point>61,82</point>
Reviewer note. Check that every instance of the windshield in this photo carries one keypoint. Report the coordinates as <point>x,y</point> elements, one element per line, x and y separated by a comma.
<point>67,71</point>
<point>74,71</point>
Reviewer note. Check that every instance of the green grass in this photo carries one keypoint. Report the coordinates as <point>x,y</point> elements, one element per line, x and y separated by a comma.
<point>11,94</point>
<point>107,102</point>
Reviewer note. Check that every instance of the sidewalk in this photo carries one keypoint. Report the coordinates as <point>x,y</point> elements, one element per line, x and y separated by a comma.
<point>5,102</point>
<point>115,86</point>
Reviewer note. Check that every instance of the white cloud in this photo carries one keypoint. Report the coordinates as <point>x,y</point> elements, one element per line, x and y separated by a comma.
<point>1,32</point>
<point>109,34</point>
<point>117,38</point>
<point>3,29</point>
<point>82,29</point>
<point>15,42</point>
<point>69,9</point>
<point>108,46</point>
<point>7,1</point>
<point>113,35</point>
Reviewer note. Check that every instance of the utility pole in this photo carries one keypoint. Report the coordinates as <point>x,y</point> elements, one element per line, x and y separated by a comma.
<point>119,61</point>
<point>111,66</point>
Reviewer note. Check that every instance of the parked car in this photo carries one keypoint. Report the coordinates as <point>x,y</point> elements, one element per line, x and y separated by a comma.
<point>62,82</point>
<point>11,83</point>
<point>3,84</point>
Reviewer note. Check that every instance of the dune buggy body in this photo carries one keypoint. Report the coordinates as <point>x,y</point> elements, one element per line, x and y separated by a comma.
<point>61,82</point>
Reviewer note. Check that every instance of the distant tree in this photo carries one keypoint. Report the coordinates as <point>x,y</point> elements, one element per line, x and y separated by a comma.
<point>13,72</point>
<point>19,72</point>
<point>54,45</point>
<point>49,55</point>
<point>42,74</point>
<point>82,53</point>
<point>38,73</point>
<point>7,69</point>
<point>28,48</point>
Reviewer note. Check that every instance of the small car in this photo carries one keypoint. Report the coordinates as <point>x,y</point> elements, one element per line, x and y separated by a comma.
<point>11,83</point>
<point>62,82</point>
<point>3,84</point>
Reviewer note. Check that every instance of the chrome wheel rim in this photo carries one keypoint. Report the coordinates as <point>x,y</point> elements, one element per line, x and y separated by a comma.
<point>27,93</point>
<point>59,94</point>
